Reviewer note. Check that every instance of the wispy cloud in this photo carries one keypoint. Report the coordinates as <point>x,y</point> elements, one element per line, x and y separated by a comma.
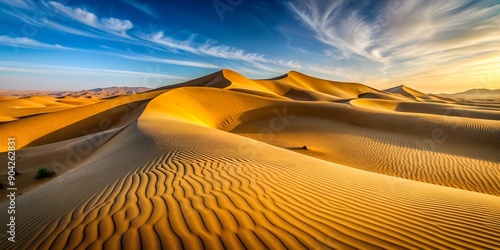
<point>227,52</point>
<point>66,29</point>
<point>204,47</point>
<point>17,67</point>
<point>107,24</point>
<point>253,62</point>
<point>398,30</point>
<point>409,39</point>
<point>201,46</point>
<point>44,21</point>
<point>336,72</point>
<point>202,50</point>
<point>142,7</point>
<point>170,43</point>
<point>23,4</point>
<point>334,25</point>
<point>25,42</point>
<point>146,58</point>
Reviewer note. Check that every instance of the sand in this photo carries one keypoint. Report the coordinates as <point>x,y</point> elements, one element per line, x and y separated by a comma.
<point>13,108</point>
<point>218,162</point>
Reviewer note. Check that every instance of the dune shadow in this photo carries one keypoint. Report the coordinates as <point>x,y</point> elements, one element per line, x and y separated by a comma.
<point>397,129</point>
<point>296,148</point>
<point>449,110</point>
<point>96,123</point>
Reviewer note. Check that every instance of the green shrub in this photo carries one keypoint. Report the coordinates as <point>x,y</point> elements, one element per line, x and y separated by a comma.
<point>44,173</point>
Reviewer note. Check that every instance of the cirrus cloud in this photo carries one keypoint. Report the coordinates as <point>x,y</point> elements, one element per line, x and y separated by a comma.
<point>448,42</point>
<point>111,24</point>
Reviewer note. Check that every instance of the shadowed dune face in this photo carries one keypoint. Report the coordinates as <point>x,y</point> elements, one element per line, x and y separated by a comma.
<point>27,103</point>
<point>228,162</point>
<point>464,111</point>
<point>379,137</point>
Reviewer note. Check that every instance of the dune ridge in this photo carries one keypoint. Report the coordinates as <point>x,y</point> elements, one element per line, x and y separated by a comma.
<point>218,162</point>
<point>13,108</point>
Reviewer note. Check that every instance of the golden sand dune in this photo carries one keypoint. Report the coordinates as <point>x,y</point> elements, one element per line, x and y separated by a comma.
<point>219,162</point>
<point>96,93</point>
<point>60,157</point>
<point>417,95</point>
<point>464,111</point>
<point>391,143</point>
<point>13,108</point>
<point>298,86</point>
<point>20,103</point>
<point>6,97</point>
<point>72,123</point>
<point>384,96</point>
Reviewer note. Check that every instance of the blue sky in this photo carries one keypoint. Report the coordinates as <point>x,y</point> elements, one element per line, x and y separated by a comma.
<point>434,46</point>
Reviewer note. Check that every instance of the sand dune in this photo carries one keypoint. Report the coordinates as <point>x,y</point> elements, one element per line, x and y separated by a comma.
<point>415,94</point>
<point>72,123</point>
<point>6,97</point>
<point>89,93</point>
<point>384,96</point>
<point>464,111</point>
<point>342,134</point>
<point>13,108</point>
<point>218,162</point>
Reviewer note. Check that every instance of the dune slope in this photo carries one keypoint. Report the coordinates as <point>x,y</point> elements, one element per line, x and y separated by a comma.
<point>189,192</point>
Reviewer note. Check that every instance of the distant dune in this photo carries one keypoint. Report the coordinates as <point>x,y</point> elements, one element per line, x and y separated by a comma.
<point>224,161</point>
<point>15,104</point>
<point>492,95</point>
<point>480,92</point>
<point>90,93</point>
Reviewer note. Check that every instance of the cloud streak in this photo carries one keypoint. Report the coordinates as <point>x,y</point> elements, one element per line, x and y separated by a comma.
<point>255,63</point>
<point>142,7</point>
<point>66,29</point>
<point>116,30</point>
<point>232,53</point>
<point>24,42</point>
<point>146,58</point>
<point>204,47</point>
<point>23,4</point>
<point>407,39</point>
<point>398,30</point>
<point>56,69</point>
<point>107,24</point>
